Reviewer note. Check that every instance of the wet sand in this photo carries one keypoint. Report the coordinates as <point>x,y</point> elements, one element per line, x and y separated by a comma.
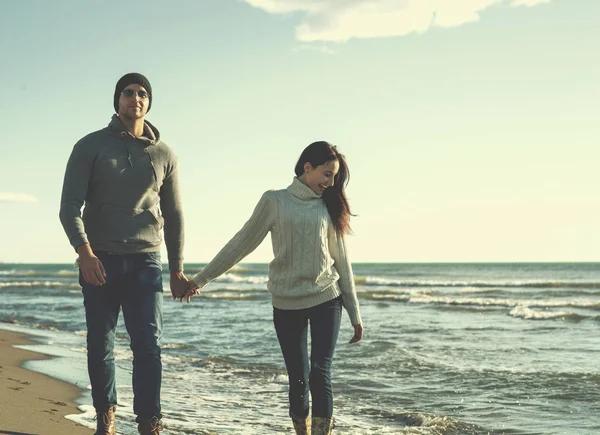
<point>32,403</point>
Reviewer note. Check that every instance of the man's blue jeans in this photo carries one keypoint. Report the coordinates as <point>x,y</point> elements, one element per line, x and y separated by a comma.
<point>291,327</point>
<point>134,282</point>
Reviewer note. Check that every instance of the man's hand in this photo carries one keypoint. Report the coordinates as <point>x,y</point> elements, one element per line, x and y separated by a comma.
<point>92,269</point>
<point>358,333</point>
<point>181,287</point>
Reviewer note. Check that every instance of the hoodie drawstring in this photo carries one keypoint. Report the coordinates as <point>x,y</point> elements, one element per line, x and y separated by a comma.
<point>124,136</point>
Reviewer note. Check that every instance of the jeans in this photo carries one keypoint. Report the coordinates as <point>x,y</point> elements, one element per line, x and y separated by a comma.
<point>134,282</point>
<point>291,327</point>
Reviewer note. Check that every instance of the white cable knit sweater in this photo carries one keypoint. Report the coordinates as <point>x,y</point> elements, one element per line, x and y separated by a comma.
<point>311,265</point>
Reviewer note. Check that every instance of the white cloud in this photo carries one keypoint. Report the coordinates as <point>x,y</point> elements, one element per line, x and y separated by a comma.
<point>285,6</point>
<point>16,197</point>
<point>341,20</point>
<point>528,2</point>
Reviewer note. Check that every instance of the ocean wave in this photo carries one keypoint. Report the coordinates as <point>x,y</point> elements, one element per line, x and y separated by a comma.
<point>385,296</point>
<point>505,302</point>
<point>422,296</point>
<point>524,312</point>
<point>181,346</point>
<point>422,423</point>
<point>32,322</point>
<point>45,284</point>
<point>229,289</point>
<point>67,308</point>
<point>238,277</point>
<point>67,273</point>
<point>234,278</point>
<point>391,282</point>
<point>233,296</point>
<point>223,365</point>
<point>38,273</point>
<point>468,286</point>
<point>360,280</point>
<point>32,284</point>
<point>480,290</point>
<point>41,287</point>
<point>18,273</point>
<point>233,293</point>
<point>236,270</point>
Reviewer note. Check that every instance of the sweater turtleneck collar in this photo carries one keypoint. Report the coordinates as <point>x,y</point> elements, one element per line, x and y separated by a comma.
<point>301,190</point>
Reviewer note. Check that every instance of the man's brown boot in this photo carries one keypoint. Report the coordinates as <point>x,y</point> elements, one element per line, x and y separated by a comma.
<point>105,421</point>
<point>150,427</point>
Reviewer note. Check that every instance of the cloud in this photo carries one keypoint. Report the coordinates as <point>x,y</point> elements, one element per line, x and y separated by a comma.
<point>341,20</point>
<point>16,197</point>
<point>528,2</point>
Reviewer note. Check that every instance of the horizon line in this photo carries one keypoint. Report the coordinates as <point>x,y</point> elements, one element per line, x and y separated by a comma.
<point>359,262</point>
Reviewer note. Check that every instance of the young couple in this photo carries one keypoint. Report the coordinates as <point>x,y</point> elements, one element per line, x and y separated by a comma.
<point>127,179</point>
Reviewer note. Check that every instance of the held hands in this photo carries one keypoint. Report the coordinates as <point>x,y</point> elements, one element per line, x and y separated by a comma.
<point>358,333</point>
<point>181,287</point>
<point>192,290</point>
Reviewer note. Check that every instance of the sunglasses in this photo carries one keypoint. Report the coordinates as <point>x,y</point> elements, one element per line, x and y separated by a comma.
<point>128,93</point>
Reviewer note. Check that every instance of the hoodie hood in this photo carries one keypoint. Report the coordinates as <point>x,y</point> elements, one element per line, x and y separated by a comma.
<point>151,134</point>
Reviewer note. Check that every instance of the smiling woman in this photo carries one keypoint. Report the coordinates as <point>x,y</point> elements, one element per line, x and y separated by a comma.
<point>324,169</point>
<point>310,278</point>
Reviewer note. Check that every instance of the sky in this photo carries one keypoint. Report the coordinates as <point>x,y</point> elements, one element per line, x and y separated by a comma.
<point>470,127</point>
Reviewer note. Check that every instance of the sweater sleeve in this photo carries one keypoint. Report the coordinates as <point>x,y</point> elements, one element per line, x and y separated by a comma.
<point>171,207</point>
<point>242,244</point>
<point>74,192</point>
<point>337,250</point>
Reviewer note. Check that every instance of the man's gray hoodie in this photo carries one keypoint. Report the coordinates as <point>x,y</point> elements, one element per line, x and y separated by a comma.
<point>130,187</point>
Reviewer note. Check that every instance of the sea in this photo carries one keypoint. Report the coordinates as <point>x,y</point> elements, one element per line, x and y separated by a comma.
<point>448,349</point>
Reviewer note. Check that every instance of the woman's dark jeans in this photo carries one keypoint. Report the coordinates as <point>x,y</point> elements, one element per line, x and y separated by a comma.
<point>292,327</point>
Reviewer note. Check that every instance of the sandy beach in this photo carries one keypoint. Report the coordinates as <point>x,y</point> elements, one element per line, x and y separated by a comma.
<point>32,403</point>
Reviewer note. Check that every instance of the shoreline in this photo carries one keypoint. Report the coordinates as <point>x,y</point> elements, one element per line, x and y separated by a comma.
<point>32,403</point>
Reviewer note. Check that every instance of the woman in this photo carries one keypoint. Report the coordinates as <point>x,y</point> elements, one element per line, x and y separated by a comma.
<point>309,279</point>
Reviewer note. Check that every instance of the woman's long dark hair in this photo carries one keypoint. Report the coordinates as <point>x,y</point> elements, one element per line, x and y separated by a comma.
<point>317,154</point>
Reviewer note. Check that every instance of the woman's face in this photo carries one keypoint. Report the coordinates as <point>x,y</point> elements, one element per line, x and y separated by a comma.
<point>320,177</point>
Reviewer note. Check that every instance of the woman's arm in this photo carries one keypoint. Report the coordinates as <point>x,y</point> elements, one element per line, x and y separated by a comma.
<point>242,244</point>
<point>337,250</point>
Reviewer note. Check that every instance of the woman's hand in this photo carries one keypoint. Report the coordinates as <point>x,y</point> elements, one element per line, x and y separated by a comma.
<point>192,289</point>
<point>358,333</point>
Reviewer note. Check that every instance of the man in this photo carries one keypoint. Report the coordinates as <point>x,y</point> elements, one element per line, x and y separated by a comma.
<point>128,179</point>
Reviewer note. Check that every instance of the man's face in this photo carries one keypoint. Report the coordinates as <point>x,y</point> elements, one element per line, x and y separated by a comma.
<point>131,104</point>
